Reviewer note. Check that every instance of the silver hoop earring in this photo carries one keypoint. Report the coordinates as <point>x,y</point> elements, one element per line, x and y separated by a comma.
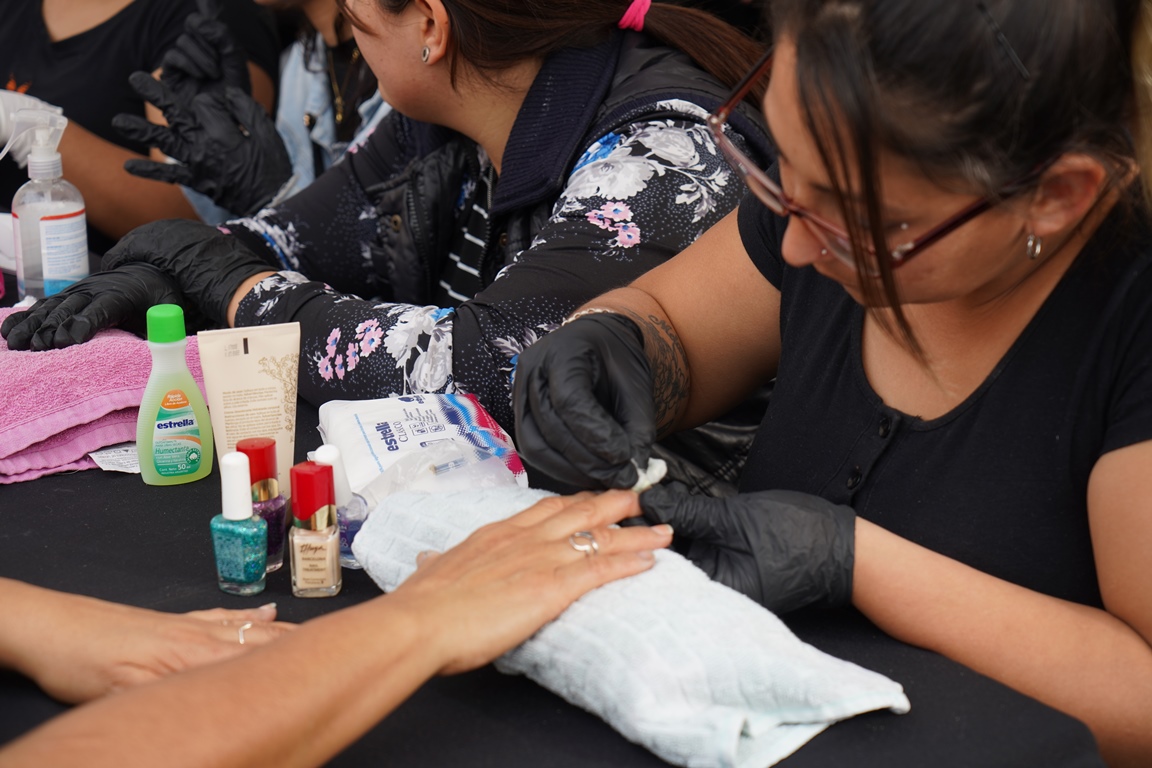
<point>424,54</point>
<point>1034,246</point>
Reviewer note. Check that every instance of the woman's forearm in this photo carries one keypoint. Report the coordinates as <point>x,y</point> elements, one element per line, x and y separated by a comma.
<point>671,382</point>
<point>1078,659</point>
<point>116,201</point>
<point>36,608</point>
<point>684,308</point>
<point>293,703</point>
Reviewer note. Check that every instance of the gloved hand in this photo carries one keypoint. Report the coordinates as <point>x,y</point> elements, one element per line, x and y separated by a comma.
<point>583,403</point>
<point>205,58</point>
<point>12,102</point>
<point>228,146</point>
<point>783,549</point>
<point>119,298</point>
<point>207,265</point>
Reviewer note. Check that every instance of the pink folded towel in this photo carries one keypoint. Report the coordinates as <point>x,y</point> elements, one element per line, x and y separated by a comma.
<point>65,447</point>
<point>74,466</point>
<point>57,405</point>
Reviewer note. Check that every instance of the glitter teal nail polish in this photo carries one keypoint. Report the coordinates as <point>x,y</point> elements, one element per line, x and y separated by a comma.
<point>239,539</point>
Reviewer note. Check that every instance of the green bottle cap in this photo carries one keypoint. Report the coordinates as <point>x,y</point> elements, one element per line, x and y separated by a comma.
<point>165,323</point>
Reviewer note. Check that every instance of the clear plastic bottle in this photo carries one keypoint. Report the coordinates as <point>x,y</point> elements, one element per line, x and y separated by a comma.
<point>48,214</point>
<point>351,508</point>
<point>173,432</point>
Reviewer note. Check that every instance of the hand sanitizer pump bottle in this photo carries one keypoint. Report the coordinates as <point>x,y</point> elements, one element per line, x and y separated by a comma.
<point>47,212</point>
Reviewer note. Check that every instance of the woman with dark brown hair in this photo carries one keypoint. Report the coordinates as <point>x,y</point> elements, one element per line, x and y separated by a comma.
<point>539,154</point>
<point>948,272</point>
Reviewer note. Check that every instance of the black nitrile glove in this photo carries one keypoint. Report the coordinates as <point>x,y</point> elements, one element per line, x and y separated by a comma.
<point>119,298</point>
<point>227,146</point>
<point>783,549</point>
<point>583,402</point>
<point>205,58</point>
<point>207,265</point>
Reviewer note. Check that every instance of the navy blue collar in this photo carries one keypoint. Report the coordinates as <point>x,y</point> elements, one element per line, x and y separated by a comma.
<point>557,112</point>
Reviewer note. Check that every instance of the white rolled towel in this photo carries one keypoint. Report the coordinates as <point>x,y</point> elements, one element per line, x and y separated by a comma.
<point>692,670</point>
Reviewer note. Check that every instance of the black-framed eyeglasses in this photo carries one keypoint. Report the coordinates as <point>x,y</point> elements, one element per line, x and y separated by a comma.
<point>832,237</point>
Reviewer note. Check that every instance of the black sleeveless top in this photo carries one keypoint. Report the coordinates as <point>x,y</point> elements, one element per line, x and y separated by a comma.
<point>1000,482</point>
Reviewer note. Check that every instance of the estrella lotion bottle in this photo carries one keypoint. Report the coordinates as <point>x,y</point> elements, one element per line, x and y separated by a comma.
<point>173,433</point>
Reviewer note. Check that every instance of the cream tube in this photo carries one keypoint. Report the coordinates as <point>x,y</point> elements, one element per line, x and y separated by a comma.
<point>250,377</point>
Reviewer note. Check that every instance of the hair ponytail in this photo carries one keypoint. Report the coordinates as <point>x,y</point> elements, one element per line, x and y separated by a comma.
<point>718,48</point>
<point>1142,84</point>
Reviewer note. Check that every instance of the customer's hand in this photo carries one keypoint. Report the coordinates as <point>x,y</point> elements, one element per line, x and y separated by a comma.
<point>227,147</point>
<point>506,580</point>
<point>117,298</point>
<point>783,549</point>
<point>583,402</point>
<point>207,265</point>
<point>89,648</point>
<point>12,102</point>
<point>205,58</point>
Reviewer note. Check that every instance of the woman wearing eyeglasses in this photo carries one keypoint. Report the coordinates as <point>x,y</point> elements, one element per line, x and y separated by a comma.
<point>947,274</point>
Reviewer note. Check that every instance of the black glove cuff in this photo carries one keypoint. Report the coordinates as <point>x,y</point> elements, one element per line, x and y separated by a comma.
<point>208,265</point>
<point>832,574</point>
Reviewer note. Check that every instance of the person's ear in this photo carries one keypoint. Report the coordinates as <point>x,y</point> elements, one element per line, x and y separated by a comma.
<point>1067,191</point>
<point>435,28</point>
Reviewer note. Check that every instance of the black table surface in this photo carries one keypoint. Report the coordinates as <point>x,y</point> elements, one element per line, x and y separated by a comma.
<point>111,536</point>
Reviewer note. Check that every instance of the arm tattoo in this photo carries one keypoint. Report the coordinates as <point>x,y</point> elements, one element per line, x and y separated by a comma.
<point>670,379</point>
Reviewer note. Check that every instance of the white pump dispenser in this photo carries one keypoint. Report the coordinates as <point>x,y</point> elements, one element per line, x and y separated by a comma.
<point>48,213</point>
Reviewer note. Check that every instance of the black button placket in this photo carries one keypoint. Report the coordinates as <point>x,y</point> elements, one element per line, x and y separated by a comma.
<point>869,448</point>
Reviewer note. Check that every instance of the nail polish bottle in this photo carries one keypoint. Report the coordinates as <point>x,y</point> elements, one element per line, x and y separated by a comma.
<point>351,508</point>
<point>267,501</point>
<point>314,538</point>
<point>239,539</point>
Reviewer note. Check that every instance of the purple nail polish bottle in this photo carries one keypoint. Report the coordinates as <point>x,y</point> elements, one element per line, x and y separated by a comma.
<point>267,502</point>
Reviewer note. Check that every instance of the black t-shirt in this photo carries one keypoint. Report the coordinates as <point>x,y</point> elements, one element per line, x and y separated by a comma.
<point>1000,482</point>
<point>87,74</point>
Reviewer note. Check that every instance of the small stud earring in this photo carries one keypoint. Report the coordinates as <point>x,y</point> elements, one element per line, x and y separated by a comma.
<point>823,251</point>
<point>1033,247</point>
<point>424,54</point>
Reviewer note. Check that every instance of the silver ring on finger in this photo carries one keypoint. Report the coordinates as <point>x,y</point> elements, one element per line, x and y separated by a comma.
<point>584,541</point>
<point>240,631</point>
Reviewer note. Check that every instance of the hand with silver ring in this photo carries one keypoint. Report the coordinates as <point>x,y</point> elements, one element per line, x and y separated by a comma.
<point>507,579</point>
<point>584,541</point>
<point>98,647</point>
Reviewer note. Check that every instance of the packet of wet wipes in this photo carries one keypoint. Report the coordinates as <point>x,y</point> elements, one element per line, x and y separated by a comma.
<point>446,433</point>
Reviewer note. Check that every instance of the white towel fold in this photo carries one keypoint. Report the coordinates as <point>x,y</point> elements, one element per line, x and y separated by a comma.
<point>694,671</point>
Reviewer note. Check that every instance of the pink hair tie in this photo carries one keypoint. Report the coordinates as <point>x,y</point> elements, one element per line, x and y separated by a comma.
<point>633,18</point>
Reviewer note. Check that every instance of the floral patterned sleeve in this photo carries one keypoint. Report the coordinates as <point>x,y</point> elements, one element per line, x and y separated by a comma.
<point>636,197</point>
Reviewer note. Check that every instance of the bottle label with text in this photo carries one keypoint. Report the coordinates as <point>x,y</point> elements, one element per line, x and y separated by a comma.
<point>176,444</point>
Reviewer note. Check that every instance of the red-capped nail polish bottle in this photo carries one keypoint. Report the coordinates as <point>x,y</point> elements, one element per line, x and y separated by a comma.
<point>314,538</point>
<point>267,501</point>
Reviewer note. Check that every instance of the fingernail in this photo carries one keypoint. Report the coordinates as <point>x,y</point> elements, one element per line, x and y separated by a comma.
<point>267,607</point>
<point>646,555</point>
<point>664,528</point>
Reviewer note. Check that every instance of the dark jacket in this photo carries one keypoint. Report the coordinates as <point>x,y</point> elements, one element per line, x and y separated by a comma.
<point>615,84</point>
<point>406,200</point>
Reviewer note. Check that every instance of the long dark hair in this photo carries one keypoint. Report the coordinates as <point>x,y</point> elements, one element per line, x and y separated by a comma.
<point>495,34</point>
<point>979,94</point>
